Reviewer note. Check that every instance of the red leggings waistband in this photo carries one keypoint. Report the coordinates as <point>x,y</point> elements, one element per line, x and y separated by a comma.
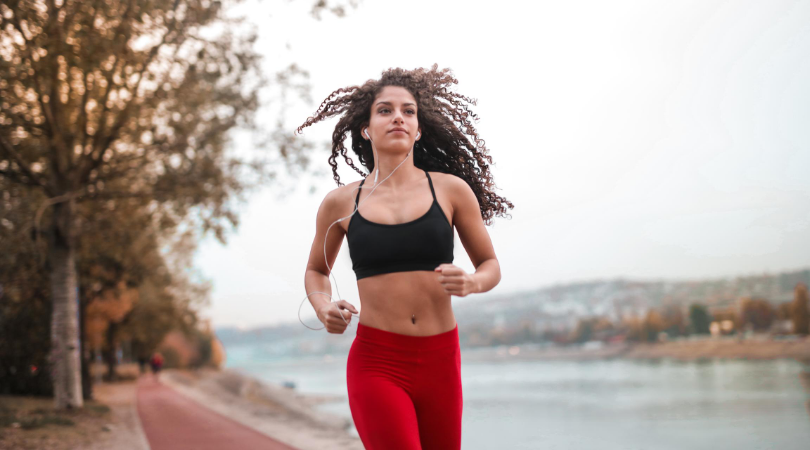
<point>373,335</point>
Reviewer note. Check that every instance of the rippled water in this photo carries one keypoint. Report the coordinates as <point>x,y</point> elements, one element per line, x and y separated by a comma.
<point>616,404</point>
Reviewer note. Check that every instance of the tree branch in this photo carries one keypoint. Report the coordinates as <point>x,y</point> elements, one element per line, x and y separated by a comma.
<point>8,149</point>
<point>109,195</point>
<point>16,178</point>
<point>102,120</point>
<point>56,135</point>
<point>101,149</point>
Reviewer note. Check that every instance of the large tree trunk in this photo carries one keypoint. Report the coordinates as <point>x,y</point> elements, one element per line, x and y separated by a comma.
<point>65,347</point>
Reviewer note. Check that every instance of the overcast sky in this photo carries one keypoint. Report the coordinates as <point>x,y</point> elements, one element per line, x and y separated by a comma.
<point>641,139</point>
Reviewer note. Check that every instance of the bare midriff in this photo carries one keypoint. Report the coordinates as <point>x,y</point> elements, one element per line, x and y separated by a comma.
<point>411,303</point>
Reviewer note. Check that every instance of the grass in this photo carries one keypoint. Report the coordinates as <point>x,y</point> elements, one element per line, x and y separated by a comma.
<point>33,423</point>
<point>31,413</point>
<point>30,423</point>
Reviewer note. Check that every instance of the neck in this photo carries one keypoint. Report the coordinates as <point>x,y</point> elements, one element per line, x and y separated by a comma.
<point>387,162</point>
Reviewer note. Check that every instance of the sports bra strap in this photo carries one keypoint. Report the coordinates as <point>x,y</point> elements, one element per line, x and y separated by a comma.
<point>431,185</point>
<point>358,192</point>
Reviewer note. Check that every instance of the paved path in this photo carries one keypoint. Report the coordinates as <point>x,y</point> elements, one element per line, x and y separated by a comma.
<point>174,422</point>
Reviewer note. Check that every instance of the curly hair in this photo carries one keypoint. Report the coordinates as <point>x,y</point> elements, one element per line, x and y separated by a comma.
<point>449,142</point>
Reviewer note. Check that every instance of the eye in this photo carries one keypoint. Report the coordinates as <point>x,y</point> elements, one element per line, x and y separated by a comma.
<point>411,111</point>
<point>382,110</point>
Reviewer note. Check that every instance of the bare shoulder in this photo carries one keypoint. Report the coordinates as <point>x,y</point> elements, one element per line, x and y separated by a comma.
<point>455,187</point>
<point>336,201</point>
<point>447,180</point>
<point>342,192</point>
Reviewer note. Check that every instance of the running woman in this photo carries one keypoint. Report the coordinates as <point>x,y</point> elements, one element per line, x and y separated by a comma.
<point>428,177</point>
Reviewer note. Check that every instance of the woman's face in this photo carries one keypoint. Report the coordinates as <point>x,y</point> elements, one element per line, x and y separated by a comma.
<point>393,124</point>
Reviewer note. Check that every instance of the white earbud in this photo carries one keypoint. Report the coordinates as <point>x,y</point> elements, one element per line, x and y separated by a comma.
<point>418,134</point>
<point>366,131</point>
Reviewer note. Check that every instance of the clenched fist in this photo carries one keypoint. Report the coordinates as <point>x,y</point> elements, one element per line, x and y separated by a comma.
<point>336,316</point>
<point>456,281</point>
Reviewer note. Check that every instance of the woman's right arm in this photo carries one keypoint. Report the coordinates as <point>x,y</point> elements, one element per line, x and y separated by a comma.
<point>316,277</point>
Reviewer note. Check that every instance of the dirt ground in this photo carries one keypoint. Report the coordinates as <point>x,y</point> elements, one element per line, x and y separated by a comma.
<point>111,420</point>
<point>108,422</point>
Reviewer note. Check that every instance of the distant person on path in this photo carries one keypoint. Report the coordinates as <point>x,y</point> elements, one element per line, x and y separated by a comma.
<point>428,175</point>
<point>156,363</point>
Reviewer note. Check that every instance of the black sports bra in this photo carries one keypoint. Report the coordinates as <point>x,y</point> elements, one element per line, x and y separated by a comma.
<point>421,244</point>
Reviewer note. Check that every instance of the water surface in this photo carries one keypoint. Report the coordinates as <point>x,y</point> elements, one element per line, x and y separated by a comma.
<point>609,405</point>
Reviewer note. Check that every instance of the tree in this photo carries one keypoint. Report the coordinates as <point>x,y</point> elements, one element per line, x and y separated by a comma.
<point>584,330</point>
<point>783,311</point>
<point>644,329</point>
<point>119,261</point>
<point>109,99</point>
<point>591,328</point>
<point>25,306</point>
<point>758,313</point>
<point>168,300</point>
<point>633,327</point>
<point>652,324</point>
<point>800,312</point>
<point>112,99</point>
<point>674,321</point>
<point>118,253</point>
<point>700,318</point>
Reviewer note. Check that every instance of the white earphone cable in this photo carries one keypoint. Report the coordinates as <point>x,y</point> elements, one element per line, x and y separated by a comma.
<point>356,208</point>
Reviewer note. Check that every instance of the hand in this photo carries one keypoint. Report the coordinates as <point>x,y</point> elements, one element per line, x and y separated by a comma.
<point>332,316</point>
<point>456,281</point>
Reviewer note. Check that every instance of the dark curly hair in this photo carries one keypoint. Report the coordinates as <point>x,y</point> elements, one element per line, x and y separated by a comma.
<point>444,117</point>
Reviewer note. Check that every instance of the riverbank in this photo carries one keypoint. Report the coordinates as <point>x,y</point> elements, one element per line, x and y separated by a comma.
<point>275,411</point>
<point>111,421</point>
<point>685,350</point>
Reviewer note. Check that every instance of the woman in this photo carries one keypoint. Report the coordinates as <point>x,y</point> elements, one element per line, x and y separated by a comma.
<point>403,369</point>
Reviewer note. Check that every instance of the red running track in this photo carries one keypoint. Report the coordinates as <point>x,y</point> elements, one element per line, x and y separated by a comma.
<point>174,422</point>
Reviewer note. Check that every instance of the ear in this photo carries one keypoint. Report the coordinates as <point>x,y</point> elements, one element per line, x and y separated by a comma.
<point>363,128</point>
<point>419,129</point>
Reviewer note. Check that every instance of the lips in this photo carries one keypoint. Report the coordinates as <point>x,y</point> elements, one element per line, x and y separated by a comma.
<point>398,129</point>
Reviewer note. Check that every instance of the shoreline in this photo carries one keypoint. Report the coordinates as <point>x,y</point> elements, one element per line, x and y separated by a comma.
<point>278,412</point>
<point>684,350</point>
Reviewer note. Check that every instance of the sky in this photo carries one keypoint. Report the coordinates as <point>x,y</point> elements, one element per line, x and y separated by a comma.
<point>640,139</point>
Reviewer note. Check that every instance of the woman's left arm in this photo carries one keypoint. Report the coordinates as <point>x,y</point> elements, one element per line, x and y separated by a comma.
<point>473,235</point>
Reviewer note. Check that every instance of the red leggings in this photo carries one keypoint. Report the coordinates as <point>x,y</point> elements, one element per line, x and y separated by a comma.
<point>405,391</point>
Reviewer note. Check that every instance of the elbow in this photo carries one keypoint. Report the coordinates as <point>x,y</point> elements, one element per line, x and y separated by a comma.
<point>315,270</point>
